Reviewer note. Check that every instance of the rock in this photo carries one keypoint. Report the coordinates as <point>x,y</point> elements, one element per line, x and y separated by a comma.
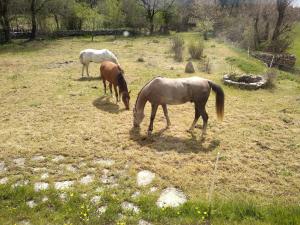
<point>2,167</point>
<point>127,206</point>
<point>63,196</point>
<point>189,68</point>
<point>143,222</point>
<point>4,180</point>
<point>96,199</point>
<point>145,177</point>
<point>40,186</point>
<point>111,179</point>
<point>140,59</point>
<point>20,183</point>
<point>153,189</point>
<point>38,169</point>
<point>38,158</point>
<point>44,176</point>
<point>58,158</point>
<point>87,179</point>
<point>20,162</point>
<point>104,162</point>
<point>171,197</point>
<point>62,185</point>
<point>136,194</point>
<point>101,210</point>
<point>245,81</point>
<point>31,204</point>
<point>45,199</point>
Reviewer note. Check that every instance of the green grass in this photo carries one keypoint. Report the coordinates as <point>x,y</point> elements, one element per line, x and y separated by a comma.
<point>76,210</point>
<point>296,45</point>
<point>247,65</point>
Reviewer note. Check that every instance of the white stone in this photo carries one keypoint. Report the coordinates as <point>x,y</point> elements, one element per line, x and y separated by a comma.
<point>108,179</point>
<point>83,196</point>
<point>20,183</point>
<point>58,158</point>
<point>31,204</point>
<point>71,168</point>
<point>4,180</point>
<point>63,196</point>
<point>128,206</point>
<point>62,185</point>
<point>44,176</point>
<point>24,222</point>
<point>38,169</point>
<point>145,177</point>
<point>171,197</point>
<point>19,162</point>
<point>101,210</point>
<point>38,158</point>
<point>40,186</point>
<point>143,222</point>
<point>2,166</point>
<point>99,190</point>
<point>136,194</point>
<point>45,199</point>
<point>96,199</point>
<point>104,162</point>
<point>153,189</point>
<point>87,179</point>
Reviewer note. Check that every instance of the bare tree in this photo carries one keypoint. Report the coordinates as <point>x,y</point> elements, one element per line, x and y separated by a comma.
<point>281,27</point>
<point>35,7</point>
<point>152,7</point>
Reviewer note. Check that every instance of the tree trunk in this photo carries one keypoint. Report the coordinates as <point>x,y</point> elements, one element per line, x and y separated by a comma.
<point>281,7</point>
<point>256,32</point>
<point>5,20</point>
<point>56,21</point>
<point>33,20</point>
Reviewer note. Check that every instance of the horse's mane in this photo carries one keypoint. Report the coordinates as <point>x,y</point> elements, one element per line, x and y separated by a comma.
<point>122,82</point>
<point>137,98</point>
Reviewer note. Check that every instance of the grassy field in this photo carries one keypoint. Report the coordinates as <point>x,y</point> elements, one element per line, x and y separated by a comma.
<point>48,110</point>
<point>296,45</point>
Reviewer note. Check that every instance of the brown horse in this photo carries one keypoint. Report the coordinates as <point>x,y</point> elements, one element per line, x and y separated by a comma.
<point>112,73</point>
<point>163,91</point>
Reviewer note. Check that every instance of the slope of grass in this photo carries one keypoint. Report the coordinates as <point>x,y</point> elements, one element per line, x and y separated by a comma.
<point>77,210</point>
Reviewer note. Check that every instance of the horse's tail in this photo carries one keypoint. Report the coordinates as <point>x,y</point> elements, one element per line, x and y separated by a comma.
<point>121,82</point>
<point>120,69</point>
<point>220,98</point>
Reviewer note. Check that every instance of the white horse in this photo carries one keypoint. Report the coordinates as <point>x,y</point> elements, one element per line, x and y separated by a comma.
<point>97,56</point>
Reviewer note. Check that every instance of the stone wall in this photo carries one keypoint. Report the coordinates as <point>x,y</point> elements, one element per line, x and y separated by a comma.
<point>284,61</point>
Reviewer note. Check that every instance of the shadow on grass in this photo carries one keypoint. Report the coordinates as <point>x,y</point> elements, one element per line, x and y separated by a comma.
<point>103,103</point>
<point>162,142</point>
<point>87,78</point>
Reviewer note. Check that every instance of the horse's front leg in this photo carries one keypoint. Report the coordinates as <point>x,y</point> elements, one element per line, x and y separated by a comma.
<point>87,69</point>
<point>82,71</point>
<point>110,88</point>
<point>164,106</point>
<point>116,93</point>
<point>197,115</point>
<point>153,113</point>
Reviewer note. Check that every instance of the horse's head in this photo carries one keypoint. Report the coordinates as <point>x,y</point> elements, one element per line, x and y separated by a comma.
<point>137,117</point>
<point>125,99</point>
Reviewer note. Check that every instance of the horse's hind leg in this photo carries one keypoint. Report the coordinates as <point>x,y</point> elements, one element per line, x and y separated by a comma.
<point>197,115</point>
<point>87,69</point>
<point>164,106</point>
<point>153,113</point>
<point>205,119</point>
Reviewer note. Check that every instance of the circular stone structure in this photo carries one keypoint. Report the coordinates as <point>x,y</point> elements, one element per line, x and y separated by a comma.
<point>245,81</point>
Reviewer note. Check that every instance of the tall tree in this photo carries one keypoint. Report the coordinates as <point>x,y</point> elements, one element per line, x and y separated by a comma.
<point>4,19</point>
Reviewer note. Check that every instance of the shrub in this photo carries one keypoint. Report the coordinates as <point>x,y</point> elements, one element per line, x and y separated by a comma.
<point>270,76</point>
<point>178,47</point>
<point>196,50</point>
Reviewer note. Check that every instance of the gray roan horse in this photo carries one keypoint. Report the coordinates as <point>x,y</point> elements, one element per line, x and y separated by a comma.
<point>163,91</point>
